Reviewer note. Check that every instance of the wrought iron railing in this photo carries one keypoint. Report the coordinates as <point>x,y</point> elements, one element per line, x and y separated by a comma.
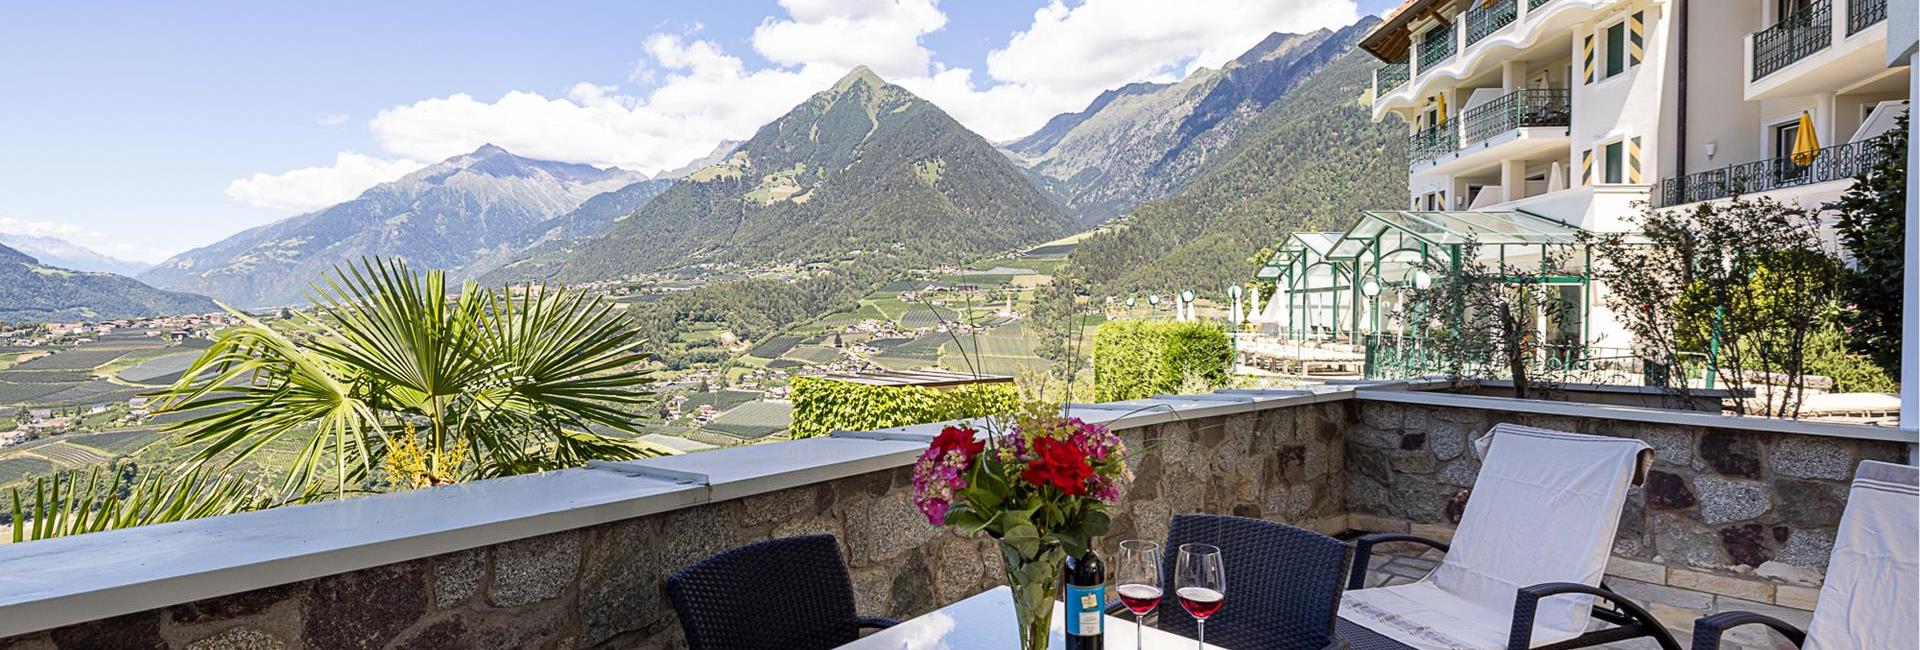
<point>1436,46</point>
<point>1535,4</point>
<point>1485,19</point>
<point>1388,77</point>
<point>1521,108</point>
<point>1862,14</point>
<point>1833,163</point>
<point>1432,141</point>
<point>1793,38</point>
<point>1390,356</point>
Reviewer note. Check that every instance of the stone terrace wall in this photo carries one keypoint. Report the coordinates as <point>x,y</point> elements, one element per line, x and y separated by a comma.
<point>1739,513</point>
<point>600,587</point>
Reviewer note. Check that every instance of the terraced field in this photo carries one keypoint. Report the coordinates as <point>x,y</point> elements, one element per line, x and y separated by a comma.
<point>721,399</point>
<point>775,347</point>
<point>753,420</point>
<point>68,454</point>
<point>14,468</point>
<point>814,354</point>
<point>120,442</point>
<point>159,371</point>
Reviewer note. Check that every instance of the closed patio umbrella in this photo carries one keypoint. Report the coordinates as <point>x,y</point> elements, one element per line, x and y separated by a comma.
<point>1806,145</point>
<point>1556,178</point>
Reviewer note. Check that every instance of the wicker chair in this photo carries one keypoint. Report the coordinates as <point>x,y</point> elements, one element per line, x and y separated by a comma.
<point>1283,583</point>
<point>785,594</point>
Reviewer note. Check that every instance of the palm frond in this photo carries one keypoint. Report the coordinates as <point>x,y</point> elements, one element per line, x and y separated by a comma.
<point>61,507</point>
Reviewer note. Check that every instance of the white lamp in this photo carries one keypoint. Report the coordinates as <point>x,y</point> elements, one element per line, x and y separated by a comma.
<point>1421,280</point>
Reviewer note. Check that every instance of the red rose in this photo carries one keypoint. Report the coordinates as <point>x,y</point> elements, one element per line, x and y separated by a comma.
<point>958,438</point>
<point>1059,463</point>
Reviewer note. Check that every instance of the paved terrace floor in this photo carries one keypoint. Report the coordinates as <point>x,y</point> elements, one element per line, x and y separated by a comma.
<point>1401,563</point>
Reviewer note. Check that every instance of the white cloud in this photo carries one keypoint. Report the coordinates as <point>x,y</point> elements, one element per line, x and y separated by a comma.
<point>335,119</point>
<point>702,96</point>
<point>312,188</point>
<point>99,242</point>
<point>880,34</point>
<point>34,228</point>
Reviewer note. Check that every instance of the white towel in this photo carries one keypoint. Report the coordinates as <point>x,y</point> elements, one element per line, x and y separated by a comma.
<point>1873,580</point>
<point>1545,508</point>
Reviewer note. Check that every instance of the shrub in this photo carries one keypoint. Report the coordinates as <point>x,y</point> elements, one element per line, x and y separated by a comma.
<point>1141,358</point>
<point>822,406</point>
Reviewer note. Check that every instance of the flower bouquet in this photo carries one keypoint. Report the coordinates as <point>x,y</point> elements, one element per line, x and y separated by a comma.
<point>1041,489</point>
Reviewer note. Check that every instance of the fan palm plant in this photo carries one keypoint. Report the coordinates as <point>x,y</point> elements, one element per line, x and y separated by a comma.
<point>475,385</point>
<point>61,507</point>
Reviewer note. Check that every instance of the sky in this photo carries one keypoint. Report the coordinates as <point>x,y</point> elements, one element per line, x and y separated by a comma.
<point>144,129</point>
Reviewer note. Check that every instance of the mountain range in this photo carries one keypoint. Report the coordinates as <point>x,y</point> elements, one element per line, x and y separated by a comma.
<point>35,292</point>
<point>61,253</point>
<point>1145,141</point>
<point>863,166</point>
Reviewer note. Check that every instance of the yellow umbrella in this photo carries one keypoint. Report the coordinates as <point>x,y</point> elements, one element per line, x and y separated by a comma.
<point>1806,145</point>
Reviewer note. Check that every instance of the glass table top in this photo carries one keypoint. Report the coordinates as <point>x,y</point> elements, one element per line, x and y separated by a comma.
<point>985,620</point>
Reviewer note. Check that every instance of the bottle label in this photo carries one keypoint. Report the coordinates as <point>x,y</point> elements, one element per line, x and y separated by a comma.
<point>1086,609</point>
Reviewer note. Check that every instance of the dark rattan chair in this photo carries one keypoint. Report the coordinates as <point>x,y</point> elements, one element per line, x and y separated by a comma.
<point>1283,583</point>
<point>784,594</point>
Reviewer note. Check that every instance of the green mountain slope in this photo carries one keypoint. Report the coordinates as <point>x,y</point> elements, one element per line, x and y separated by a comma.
<point>1147,141</point>
<point>863,167</point>
<point>32,292</point>
<point>1312,160</point>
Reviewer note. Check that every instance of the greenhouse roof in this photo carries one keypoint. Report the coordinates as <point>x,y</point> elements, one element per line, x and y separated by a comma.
<point>1491,228</point>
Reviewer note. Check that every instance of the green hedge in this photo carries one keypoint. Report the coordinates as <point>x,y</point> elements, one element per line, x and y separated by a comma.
<point>821,406</point>
<point>1142,358</point>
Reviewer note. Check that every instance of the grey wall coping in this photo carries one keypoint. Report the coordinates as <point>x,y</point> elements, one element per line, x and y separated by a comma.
<point>1642,414</point>
<point>62,581</point>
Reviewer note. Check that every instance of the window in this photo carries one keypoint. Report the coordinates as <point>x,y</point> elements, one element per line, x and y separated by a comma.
<point>1614,160</point>
<point>1616,48</point>
<point>1784,137</point>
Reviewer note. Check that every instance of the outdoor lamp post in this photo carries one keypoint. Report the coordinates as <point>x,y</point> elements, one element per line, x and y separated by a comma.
<point>1130,302</point>
<point>1153,303</point>
<point>1422,281</point>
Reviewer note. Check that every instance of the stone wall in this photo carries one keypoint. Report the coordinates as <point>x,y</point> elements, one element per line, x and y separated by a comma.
<point>1739,513</point>
<point>600,587</point>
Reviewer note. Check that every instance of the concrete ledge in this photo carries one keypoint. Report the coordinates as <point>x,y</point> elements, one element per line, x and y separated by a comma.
<point>1639,414</point>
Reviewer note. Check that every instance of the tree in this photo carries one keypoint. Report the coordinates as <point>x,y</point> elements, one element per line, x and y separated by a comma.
<point>1871,216</point>
<point>1484,318</point>
<point>490,384</point>
<point>1747,281</point>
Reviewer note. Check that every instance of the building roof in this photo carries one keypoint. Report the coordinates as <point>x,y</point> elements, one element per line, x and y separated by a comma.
<point>1441,228</point>
<point>1389,40</point>
<point>928,378</point>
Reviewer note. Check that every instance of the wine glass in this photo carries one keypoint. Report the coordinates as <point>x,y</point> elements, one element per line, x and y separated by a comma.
<point>1200,580</point>
<point>1138,575</point>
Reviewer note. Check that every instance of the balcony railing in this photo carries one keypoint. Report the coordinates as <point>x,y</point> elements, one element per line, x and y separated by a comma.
<point>1834,163</point>
<point>1535,4</point>
<point>1433,141</point>
<point>1793,38</point>
<point>1521,108</point>
<point>1485,19</point>
<point>1389,77</point>
<point>1862,14</point>
<point>1436,46</point>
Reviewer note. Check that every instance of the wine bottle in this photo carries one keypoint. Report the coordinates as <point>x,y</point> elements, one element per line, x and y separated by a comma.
<point>1086,606</point>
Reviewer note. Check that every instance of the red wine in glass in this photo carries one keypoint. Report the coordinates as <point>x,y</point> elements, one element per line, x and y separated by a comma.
<point>1201,602</point>
<point>1139,598</point>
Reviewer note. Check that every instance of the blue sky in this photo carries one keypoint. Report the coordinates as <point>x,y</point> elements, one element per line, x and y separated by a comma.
<point>144,129</point>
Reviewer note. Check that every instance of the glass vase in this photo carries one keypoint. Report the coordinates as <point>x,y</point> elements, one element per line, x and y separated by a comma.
<point>1035,582</point>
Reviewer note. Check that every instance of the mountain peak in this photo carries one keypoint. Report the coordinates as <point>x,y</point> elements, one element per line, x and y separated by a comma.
<point>489,150</point>
<point>859,75</point>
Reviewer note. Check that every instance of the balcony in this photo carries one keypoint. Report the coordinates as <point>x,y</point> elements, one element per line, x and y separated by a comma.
<point>1520,124</point>
<point>1388,77</point>
<point>1519,109</point>
<point>1838,162</point>
<point>1484,20</point>
<point>1435,47</point>
<point>1795,38</point>
<point>1830,46</point>
<point>1431,142</point>
<point>577,556</point>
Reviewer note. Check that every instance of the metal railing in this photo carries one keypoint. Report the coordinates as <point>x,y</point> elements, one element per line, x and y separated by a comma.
<point>1521,108</point>
<point>1793,38</point>
<point>1862,14</point>
<point>1406,357</point>
<point>1535,4</point>
<point>1388,77</point>
<point>1485,19</point>
<point>1436,46</point>
<point>1432,141</point>
<point>1833,163</point>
